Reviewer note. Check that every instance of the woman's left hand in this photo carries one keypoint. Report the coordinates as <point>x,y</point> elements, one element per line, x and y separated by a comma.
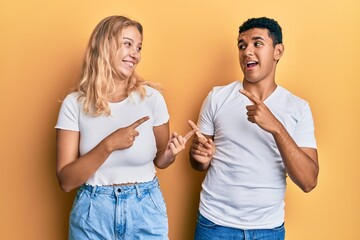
<point>177,143</point>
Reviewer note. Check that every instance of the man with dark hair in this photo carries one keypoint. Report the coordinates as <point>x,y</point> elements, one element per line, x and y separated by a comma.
<point>252,135</point>
<point>274,29</point>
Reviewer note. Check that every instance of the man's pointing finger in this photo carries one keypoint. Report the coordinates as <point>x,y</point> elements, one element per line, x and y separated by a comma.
<point>196,128</point>
<point>250,96</point>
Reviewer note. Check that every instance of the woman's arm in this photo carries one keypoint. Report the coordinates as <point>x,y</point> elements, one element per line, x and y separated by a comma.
<point>168,149</point>
<point>74,170</point>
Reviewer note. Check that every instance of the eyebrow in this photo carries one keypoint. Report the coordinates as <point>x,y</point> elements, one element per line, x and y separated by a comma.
<point>254,39</point>
<point>131,40</point>
<point>257,38</point>
<point>127,38</point>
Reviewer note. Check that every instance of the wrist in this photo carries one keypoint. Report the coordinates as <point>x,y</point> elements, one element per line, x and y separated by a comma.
<point>107,146</point>
<point>278,131</point>
<point>169,158</point>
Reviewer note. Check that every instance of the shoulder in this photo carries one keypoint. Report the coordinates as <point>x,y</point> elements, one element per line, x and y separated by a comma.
<point>226,90</point>
<point>150,96</point>
<point>292,101</point>
<point>69,112</point>
<point>72,98</point>
<point>152,91</point>
<point>290,96</point>
<point>222,95</point>
<point>71,102</point>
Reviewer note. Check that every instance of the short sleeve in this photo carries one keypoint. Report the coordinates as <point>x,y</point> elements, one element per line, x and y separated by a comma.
<point>161,114</point>
<point>304,135</point>
<point>68,118</point>
<point>205,122</point>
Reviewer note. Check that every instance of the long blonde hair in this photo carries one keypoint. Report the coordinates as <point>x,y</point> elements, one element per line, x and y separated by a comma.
<point>96,82</point>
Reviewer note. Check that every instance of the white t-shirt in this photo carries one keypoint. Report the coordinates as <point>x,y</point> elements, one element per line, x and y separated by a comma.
<point>134,164</point>
<point>246,181</point>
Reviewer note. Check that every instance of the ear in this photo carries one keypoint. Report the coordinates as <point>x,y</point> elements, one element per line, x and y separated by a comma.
<point>278,51</point>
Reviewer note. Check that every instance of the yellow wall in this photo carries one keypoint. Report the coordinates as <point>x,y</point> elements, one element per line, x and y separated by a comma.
<point>189,46</point>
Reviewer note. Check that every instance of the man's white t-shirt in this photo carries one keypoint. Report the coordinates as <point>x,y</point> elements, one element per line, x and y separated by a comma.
<point>245,184</point>
<point>131,165</point>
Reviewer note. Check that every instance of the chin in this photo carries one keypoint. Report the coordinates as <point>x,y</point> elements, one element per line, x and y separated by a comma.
<point>251,80</point>
<point>126,75</point>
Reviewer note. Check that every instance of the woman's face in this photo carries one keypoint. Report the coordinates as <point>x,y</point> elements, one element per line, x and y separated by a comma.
<point>128,55</point>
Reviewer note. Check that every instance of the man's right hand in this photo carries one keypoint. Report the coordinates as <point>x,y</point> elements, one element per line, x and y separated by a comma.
<point>202,148</point>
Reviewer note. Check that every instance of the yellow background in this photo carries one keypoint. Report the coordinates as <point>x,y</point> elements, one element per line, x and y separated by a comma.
<point>189,46</point>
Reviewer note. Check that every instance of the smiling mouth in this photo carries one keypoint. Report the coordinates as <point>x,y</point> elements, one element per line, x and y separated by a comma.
<point>251,64</point>
<point>131,64</point>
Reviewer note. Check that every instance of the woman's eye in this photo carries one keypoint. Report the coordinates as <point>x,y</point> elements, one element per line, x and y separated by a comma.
<point>257,44</point>
<point>242,47</point>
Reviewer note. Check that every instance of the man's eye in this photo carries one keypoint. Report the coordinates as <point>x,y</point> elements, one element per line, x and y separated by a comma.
<point>257,44</point>
<point>242,47</point>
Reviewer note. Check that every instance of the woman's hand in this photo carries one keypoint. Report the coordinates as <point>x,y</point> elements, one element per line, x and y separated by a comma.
<point>124,137</point>
<point>177,143</point>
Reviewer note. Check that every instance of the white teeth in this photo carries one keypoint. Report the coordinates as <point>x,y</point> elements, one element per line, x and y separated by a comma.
<point>129,63</point>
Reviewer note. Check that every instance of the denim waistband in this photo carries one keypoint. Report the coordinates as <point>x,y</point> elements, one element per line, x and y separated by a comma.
<point>117,190</point>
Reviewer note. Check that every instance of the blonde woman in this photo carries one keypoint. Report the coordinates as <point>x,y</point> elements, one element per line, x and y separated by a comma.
<point>111,133</point>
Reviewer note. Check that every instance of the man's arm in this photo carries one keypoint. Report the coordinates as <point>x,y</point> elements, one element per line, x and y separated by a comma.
<point>301,163</point>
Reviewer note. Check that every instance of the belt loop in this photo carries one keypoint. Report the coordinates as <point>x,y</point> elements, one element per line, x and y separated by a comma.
<point>93,191</point>
<point>138,192</point>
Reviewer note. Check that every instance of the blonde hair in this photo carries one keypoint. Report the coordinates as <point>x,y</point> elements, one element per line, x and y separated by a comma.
<point>96,82</point>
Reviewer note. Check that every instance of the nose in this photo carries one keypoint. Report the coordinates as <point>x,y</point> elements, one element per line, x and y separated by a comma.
<point>249,51</point>
<point>134,53</point>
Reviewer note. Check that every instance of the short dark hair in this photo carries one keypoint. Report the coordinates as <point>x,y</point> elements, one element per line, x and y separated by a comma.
<point>275,32</point>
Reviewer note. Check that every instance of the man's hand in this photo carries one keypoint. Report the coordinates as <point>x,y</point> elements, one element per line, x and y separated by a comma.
<point>260,114</point>
<point>202,148</point>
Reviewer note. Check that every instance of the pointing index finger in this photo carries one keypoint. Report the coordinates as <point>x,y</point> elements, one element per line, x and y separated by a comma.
<point>250,96</point>
<point>189,134</point>
<point>139,122</point>
<point>196,129</point>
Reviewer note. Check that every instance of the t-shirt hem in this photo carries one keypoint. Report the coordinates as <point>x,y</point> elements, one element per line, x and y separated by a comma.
<point>218,221</point>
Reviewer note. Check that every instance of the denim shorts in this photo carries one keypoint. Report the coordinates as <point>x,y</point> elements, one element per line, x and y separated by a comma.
<point>207,230</point>
<point>119,212</point>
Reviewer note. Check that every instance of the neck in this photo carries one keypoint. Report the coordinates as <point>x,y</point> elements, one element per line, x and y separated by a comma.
<point>120,91</point>
<point>261,90</point>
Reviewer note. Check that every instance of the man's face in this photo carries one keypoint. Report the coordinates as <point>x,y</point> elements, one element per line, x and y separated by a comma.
<point>257,55</point>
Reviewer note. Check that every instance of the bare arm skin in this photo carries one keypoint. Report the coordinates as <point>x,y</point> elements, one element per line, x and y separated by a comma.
<point>202,150</point>
<point>168,149</point>
<point>72,170</point>
<point>301,163</point>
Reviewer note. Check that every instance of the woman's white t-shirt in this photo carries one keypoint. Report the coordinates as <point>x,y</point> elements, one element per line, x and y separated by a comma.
<point>131,165</point>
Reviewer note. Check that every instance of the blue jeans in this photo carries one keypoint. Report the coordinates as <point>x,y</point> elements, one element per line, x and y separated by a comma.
<point>207,230</point>
<point>119,212</point>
